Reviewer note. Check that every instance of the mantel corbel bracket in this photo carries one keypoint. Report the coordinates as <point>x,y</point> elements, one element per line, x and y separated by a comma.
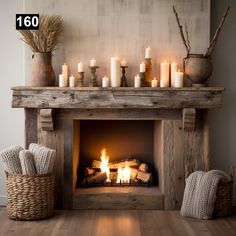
<point>46,119</point>
<point>189,119</point>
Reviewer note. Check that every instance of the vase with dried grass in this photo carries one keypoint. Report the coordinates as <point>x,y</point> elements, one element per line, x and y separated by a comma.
<point>42,43</point>
<point>198,67</point>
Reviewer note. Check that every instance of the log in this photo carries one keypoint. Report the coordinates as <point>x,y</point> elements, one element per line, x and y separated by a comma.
<point>96,179</point>
<point>89,171</point>
<point>115,165</point>
<point>144,176</point>
<point>133,173</point>
<point>143,167</point>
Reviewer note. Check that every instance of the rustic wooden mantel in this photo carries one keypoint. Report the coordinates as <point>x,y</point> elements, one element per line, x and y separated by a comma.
<point>181,131</point>
<point>117,98</point>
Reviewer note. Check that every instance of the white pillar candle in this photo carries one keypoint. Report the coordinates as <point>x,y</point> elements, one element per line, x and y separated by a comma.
<point>105,82</point>
<point>137,81</point>
<point>62,81</point>
<point>80,67</point>
<point>65,72</point>
<point>142,67</point>
<point>154,83</point>
<point>93,62</point>
<point>115,72</point>
<point>165,67</point>
<point>148,52</point>
<point>174,68</point>
<point>72,81</point>
<point>179,79</point>
<point>123,62</point>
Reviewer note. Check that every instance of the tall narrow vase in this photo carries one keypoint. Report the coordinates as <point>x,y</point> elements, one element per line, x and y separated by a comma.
<point>42,73</point>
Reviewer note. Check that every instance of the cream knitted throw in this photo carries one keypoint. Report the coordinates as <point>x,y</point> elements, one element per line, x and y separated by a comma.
<point>10,159</point>
<point>200,193</point>
<point>27,162</point>
<point>44,158</point>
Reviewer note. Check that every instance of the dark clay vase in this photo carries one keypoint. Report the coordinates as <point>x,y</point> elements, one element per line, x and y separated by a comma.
<point>42,73</point>
<point>197,68</point>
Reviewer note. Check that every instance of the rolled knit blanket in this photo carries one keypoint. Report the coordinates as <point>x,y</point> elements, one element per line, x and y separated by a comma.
<point>10,159</point>
<point>27,162</point>
<point>200,193</point>
<point>44,158</point>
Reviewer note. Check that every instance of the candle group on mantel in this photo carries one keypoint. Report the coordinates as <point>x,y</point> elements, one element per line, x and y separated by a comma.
<point>170,75</point>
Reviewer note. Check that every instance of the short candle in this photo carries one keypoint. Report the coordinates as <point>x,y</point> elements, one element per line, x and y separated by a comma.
<point>123,62</point>
<point>137,81</point>
<point>72,81</point>
<point>80,67</point>
<point>154,83</point>
<point>105,82</point>
<point>142,67</point>
<point>179,79</point>
<point>174,68</point>
<point>93,62</point>
<point>148,52</point>
<point>62,81</point>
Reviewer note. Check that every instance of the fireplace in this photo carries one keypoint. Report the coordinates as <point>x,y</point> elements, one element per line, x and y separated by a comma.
<point>116,153</point>
<point>173,123</point>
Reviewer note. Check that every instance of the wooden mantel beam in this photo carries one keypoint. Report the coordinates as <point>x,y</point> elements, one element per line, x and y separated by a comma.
<point>117,98</point>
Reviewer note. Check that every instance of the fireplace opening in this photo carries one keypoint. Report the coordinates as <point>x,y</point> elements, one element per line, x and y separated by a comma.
<point>116,153</point>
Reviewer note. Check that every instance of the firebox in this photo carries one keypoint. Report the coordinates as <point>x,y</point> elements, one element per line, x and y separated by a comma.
<point>116,153</point>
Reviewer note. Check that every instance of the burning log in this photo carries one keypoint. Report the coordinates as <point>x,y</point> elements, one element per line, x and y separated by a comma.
<point>115,165</point>
<point>143,167</point>
<point>144,176</point>
<point>133,173</point>
<point>96,179</point>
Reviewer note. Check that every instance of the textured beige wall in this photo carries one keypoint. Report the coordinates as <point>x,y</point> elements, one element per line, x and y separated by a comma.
<point>103,28</point>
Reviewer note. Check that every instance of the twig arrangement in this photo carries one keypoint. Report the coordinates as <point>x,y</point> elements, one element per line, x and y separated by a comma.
<point>185,40</point>
<point>185,37</point>
<point>215,37</point>
<point>46,37</point>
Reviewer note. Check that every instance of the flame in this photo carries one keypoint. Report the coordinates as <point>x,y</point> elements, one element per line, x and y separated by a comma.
<point>123,175</point>
<point>104,163</point>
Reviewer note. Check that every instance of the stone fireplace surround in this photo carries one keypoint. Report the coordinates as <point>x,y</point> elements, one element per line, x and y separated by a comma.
<point>181,135</point>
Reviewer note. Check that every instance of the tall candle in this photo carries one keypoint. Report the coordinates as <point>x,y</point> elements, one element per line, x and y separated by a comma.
<point>179,79</point>
<point>65,72</point>
<point>72,82</point>
<point>154,83</point>
<point>105,82</point>
<point>80,67</point>
<point>148,52</point>
<point>142,67</point>
<point>62,81</point>
<point>115,72</point>
<point>137,81</point>
<point>174,68</point>
<point>93,62</point>
<point>164,82</point>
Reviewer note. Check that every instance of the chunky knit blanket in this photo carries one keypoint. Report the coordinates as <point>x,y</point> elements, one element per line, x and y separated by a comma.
<point>200,193</point>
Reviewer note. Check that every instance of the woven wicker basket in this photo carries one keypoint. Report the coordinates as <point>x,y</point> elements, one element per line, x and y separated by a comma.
<point>30,197</point>
<point>223,203</point>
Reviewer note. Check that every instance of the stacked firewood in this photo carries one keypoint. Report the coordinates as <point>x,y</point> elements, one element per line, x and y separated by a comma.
<point>138,172</point>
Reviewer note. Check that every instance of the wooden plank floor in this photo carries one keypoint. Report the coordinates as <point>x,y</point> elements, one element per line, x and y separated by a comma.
<point>117,223</point>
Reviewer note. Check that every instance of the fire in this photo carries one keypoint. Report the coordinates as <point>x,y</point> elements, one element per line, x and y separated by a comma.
<point>123,175</point>
<point>104,163</point>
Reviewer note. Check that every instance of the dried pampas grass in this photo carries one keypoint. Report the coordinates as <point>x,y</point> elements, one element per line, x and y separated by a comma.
<point>46,37</point>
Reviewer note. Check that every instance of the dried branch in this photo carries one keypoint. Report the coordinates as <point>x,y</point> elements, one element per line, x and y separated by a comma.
<point>181,31</point>
<point>215,37</point>
<point>187,37</point>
